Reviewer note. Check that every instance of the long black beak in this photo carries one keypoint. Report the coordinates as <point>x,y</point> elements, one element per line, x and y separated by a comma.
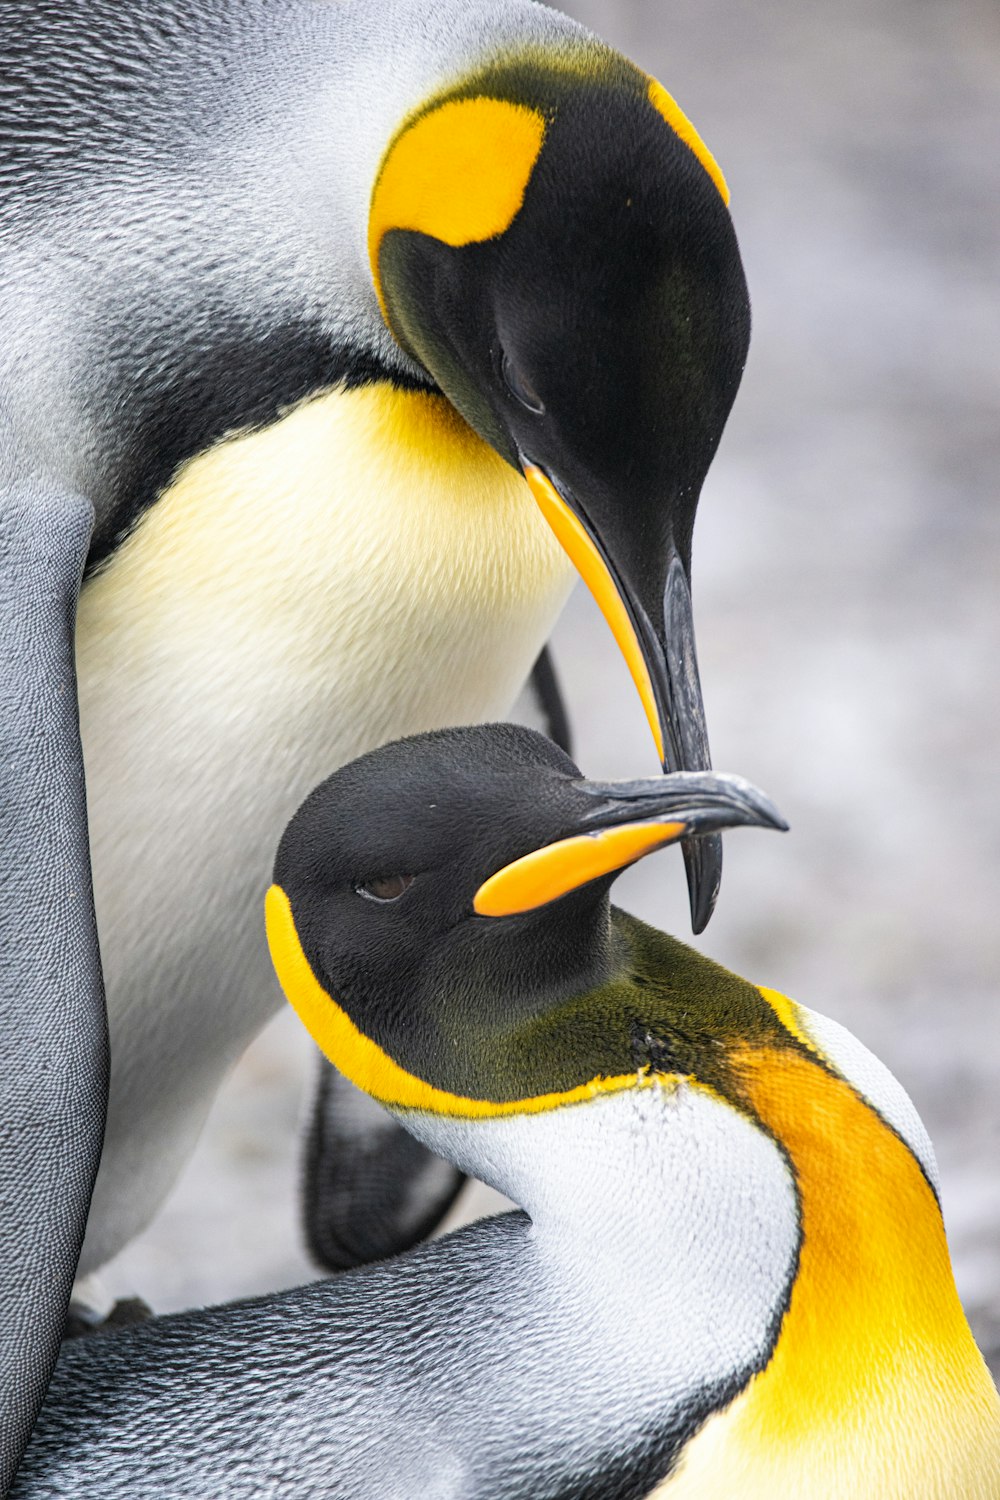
<point>706,802</point>
<point>618,823</point>
<point>662,661</point>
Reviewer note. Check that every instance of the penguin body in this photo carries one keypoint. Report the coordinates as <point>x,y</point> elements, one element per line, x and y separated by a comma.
<point>281,406</point>
<point>731,1275</point>
<point>436,1372</point>
<point>185,597</point>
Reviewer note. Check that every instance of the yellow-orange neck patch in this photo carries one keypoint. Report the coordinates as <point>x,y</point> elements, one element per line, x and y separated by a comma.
<point>373,1071</point>
<point>875,1386</point>
<point>457,173</point>
<point>679,123</point>
<point>874,1271</point>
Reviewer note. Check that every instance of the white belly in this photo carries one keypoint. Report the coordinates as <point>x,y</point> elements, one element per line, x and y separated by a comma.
<point>366,568</point>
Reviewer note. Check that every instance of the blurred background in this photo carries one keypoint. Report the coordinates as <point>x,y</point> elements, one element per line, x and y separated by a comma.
<point>847,601</point>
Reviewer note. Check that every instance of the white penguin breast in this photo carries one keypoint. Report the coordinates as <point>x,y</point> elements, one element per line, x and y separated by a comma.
<point>363,569</point>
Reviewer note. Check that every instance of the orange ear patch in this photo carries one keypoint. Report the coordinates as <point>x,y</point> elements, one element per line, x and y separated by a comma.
<point>458,173</point>
<point>681,125</point>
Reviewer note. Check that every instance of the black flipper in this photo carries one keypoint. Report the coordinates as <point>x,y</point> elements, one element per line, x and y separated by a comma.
<point>548,696</point>
<point>53,1037</point>
<point>369,1190</point>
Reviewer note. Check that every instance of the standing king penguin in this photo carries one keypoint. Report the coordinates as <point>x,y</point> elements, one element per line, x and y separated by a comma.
<point>323,326</point>
<point>732,1280</point>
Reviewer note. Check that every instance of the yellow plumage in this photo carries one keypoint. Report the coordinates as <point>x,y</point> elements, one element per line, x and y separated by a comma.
<point>364,568</point>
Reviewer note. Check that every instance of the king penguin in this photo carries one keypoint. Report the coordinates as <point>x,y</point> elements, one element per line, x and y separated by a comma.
<point>731,1278</point>
<point>333,336</point>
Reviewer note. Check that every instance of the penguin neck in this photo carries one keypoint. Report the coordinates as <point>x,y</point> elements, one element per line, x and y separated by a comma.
<point>655,1262</point>
<point>875,1385</point>
<point>639,1188</point>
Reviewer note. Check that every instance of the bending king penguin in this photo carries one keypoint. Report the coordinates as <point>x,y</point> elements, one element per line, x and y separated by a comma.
<point>294,298</point>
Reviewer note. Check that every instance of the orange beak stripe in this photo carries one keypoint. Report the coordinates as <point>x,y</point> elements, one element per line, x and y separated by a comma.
<point>574,539</point>
<point>546,874</point>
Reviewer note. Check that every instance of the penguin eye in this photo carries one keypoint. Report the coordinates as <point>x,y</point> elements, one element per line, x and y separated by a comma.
<point>519,388</point>
<point>386,888</point>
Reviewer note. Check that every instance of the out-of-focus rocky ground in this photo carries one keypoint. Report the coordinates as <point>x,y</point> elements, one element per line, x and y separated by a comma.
<point>847,596</point>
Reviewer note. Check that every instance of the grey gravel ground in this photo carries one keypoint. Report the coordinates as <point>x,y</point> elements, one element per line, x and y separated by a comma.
<point>847,572</point>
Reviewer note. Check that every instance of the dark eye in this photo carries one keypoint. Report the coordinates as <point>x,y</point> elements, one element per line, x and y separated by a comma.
<point>387,888</point>
<point>520,388</point>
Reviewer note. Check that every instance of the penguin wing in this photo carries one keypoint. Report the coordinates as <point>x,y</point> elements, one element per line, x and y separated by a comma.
<point>54,1080</point>
<point>369,1188</point>
<point>551,705</point>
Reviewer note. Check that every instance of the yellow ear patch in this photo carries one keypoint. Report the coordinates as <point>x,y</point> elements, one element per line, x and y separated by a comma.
<point>363,1062</point>
<point>457,173</point>
<point>679,123</point>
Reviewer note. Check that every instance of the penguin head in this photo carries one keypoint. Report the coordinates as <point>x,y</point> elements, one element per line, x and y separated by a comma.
<point>440,913</point>
<point>687,1144</point>
<point>553,245</point>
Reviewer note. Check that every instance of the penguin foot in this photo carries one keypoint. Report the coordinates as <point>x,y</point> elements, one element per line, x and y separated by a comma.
<point>369,1190</point>
<point>81,1319</point>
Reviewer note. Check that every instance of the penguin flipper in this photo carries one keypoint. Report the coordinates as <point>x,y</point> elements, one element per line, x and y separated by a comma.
<point>369,1189</point>
<point>53,1041</point>
<point>549,699</point>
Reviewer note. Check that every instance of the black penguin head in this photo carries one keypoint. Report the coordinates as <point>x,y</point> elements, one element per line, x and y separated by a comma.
<point>382,862</point>
<point>444,891</point>
<point>555,248</point>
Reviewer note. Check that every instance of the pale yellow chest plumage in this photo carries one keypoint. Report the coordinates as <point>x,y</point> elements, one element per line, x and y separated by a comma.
<point>364,568</point>
<point>369,529</point>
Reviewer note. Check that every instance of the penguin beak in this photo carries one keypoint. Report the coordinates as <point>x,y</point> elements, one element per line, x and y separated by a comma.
<point>663,663</point>
<point>626,821</point>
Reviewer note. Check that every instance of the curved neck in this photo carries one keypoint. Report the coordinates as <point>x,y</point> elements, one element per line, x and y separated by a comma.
<point>875,1385</point>
<point>654,1259</point>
